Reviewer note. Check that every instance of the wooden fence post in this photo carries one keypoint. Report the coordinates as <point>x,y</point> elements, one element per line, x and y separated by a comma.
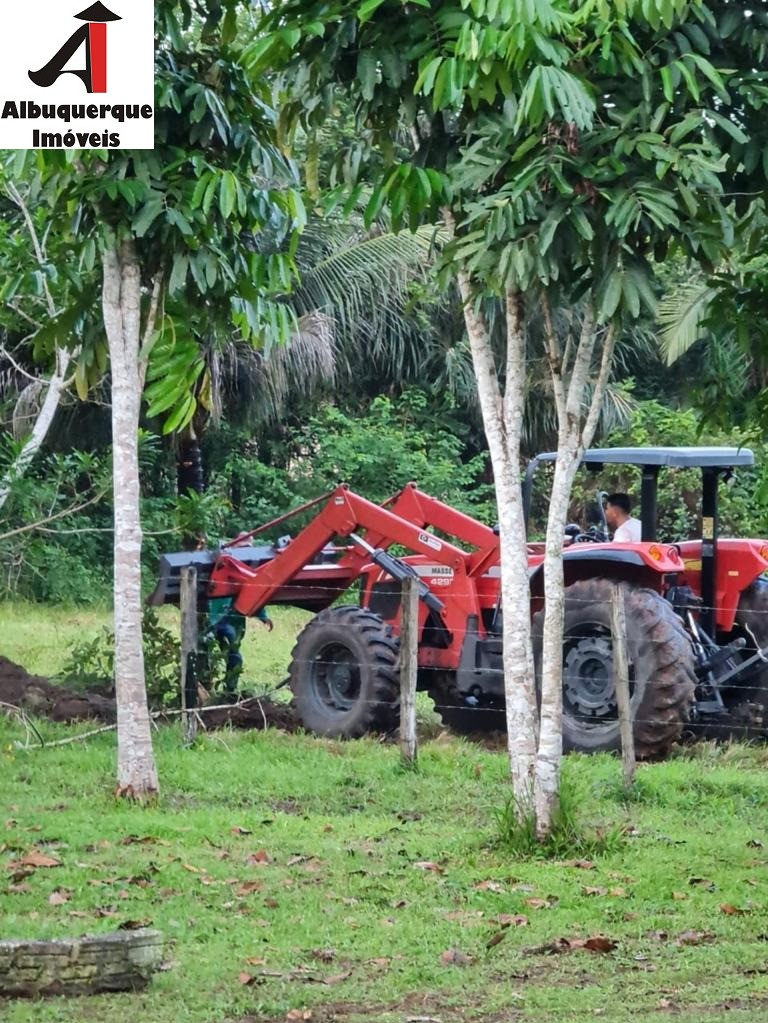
<point>621,683</point>
<point>409,668</point>
<point>188,609</point>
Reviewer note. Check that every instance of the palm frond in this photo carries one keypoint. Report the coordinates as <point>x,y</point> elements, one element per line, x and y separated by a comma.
<point>262,383</point>
<point>365,286</point>
<point>682,315</point>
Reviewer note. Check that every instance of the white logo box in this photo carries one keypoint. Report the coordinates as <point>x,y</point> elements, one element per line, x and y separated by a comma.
<point>92,75</point>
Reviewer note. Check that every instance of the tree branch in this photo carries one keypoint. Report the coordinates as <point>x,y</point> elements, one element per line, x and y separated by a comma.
<point>554,356</point>
<point>52,518</point>
<point>16,196</point>
<point>606,362</point>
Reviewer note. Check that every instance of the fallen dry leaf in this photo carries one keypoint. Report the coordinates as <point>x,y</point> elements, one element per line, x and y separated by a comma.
<point>455,957</point>
<point>191,869</point>
<point>296,859</point>
<point>679,896</point>
<point>380,962</point>
<point>496,939</point>
<point>237,830</point>
<point>754,843</point>
<point>255,961</point>
<point>34,860</point>
<point>579,864</point>
<point>702,882</point>
<point>245,979</point>
<point>511,920</point>
<point>598,943</point>
<point>248,887</point>
<point>59,897</point>
<point>259,858</point>
<point>435,868</point>
<point>539,903</point>
<point>22,888</point>
<point>694,937</point>
<point>298,1014</point>
<point>337,978</point>
<point>271,903</point>
<point>134,925</point>
<point>324,955</point>
<point>489,886</point>
<point>588,890</point>
<point>142,840</point>
<point>618,893</point>
<point>730,910</point>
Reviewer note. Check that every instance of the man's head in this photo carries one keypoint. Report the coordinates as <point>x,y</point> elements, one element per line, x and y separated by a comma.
<point>617,509</point>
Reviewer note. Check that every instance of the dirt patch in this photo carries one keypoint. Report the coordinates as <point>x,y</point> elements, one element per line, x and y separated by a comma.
<point>43,698</point>
<point>39,696</point>
<point>254,713</point>
<point>413,1008</point>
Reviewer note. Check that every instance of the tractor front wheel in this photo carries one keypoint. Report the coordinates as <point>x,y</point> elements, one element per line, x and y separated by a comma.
<point>661,669</point>
<point>344,674</point>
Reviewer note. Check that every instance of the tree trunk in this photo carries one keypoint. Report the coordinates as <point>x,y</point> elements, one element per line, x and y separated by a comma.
<point>56,386</point>
<point>57,383</point>
<point>550,750</point>
<point>136,772</point>
<point>502,420</point>
<point>575,433</point>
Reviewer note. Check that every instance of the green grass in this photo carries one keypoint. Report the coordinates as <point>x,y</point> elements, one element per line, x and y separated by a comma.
<point>345,829</point>
<point>39,638</point>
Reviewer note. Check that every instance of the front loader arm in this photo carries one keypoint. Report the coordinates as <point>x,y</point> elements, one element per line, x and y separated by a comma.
<point>422,510</point>
<point>344,513</point>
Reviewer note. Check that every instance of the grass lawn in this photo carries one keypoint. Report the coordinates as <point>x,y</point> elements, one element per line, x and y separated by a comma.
<point>39,638</point>
<point>295,876</point>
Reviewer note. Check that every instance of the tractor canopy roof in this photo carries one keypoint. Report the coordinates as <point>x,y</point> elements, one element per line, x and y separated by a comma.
<point>668,457</point>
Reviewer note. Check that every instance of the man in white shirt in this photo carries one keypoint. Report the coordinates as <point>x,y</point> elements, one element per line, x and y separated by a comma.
<point>624,527</point>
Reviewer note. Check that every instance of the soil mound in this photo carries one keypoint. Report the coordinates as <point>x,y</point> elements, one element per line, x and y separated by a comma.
<point>43,698</point>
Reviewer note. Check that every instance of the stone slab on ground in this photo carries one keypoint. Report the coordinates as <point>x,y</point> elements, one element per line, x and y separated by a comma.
<point>94,964</point>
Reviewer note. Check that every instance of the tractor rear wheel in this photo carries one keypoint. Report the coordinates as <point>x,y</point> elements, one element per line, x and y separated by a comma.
<point>344,674</point>
<point>661,667</point>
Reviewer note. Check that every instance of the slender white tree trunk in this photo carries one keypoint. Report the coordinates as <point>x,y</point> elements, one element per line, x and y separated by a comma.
<point>136,771</point>
<point>54,390</point>
<point>576,428</point>
<point>502,420</point>
<point>58,381</point>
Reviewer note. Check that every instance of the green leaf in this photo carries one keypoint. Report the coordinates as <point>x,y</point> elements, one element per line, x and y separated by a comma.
<point>177,218</point>
<point>179,418</point>
<point>426,80</point>
<point>611,297</point>
<point>728,126</point>
<point>200,188</point>
<point>367,9</point>
<point>146,217</point>
<point>367,73</point>
<point>227,194</point>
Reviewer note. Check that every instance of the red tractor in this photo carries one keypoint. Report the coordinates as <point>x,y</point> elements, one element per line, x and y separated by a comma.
<point>721,594</point>
<point>344,671</point>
